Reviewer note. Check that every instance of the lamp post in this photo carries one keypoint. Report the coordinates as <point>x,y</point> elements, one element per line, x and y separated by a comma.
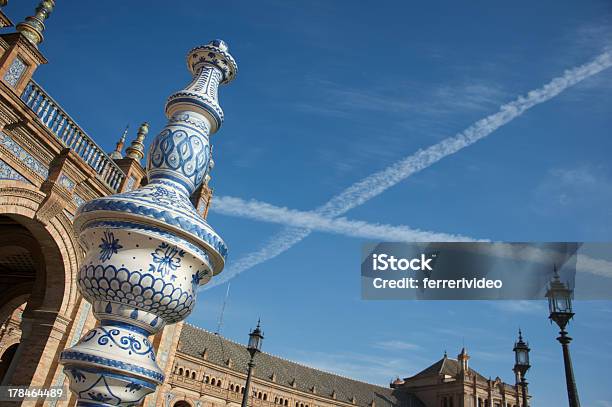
<point>560,305</point>
<point>254,347</point>
<point>521,363</point>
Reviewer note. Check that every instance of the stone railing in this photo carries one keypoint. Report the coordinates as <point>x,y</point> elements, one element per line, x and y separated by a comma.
<point>71,134</point>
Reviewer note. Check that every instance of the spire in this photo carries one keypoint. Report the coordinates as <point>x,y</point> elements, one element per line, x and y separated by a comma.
<point>116,154</point>
<point>33,26</point>
<point>463,358</point>
<point>136,148</point>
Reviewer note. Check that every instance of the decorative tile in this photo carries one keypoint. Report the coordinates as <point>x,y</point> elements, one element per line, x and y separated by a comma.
<point>130,183</point>
<point>15,71</point>
<point>8,172</point>
<point>78,200</point>
<point>66,181</point>
<point>24,156</point>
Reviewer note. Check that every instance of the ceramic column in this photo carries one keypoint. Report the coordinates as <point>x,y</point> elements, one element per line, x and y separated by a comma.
<point>148,250</point>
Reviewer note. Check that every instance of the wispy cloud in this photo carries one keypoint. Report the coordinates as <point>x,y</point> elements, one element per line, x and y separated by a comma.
<point>372,369</point>
<point>262,211</point>
<point>396,345</point>
<point>521,307</point>
<point>575,188</point>
<point>377,183</point>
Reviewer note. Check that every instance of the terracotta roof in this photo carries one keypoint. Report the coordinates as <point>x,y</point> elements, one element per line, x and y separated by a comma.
<point>219,350</point>
<point>444,366</point>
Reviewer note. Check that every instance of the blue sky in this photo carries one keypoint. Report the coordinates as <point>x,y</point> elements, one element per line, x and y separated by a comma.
<point>328,93</point>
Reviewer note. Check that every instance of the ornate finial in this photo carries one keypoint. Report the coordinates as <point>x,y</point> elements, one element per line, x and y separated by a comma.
<point>196,107</point>
<point>136,149</point>
<point>445,354</point>
<point>33,26</point>
<point>520,335</point>
<point>157,225</point>
<point>116,154</point>
<point>555,272</point>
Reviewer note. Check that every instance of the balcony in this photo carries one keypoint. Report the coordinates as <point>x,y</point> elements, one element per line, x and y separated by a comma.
<point>72,135</point>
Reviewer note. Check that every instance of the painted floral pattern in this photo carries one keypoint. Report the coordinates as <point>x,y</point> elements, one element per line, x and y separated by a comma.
<point>109,246</point>
<point>166,259</point>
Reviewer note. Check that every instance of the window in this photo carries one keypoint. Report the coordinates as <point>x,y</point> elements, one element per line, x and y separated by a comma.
<point>206,379</point>
<point>286,402</point>
<point>213,381</point>
<point>193,375</point>
<point>180,371</point>
<point>218,382</point>
<point>265,397</point>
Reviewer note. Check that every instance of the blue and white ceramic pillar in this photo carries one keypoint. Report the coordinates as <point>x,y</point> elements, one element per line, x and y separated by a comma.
<point>148,250</point>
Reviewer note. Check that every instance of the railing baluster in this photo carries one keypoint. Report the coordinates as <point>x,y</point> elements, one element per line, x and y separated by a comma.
<point>64,127</point>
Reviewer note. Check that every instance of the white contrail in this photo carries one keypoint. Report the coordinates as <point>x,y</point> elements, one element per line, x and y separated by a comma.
<point>378,182</point>
<point>266,212</point>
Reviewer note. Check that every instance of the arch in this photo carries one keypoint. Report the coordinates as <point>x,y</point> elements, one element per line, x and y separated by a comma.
<point>218,382</point>
<point>265,397</point>
<point>193,375</point>
<point>286,402</point>
<point>180,371</point>
<point>181,403</point>
<point>213,381</point>
<point>43,257</point>
<point>60,249</point>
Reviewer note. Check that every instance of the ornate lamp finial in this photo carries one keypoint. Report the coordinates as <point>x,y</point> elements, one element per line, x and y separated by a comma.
<point>33,26</point>
<point>148,250</point>
<point>116,154</point>
<point>136,148</point>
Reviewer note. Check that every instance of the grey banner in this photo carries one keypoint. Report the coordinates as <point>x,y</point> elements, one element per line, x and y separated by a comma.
<point>484,271</point>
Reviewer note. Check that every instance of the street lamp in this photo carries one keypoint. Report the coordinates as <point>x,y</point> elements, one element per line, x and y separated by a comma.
<point>521,363</point>
<point>254,346</point>
<point>560,305</point>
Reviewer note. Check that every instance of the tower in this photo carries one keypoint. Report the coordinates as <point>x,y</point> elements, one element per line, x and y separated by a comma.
<point>148,250</point>
<point>463,359</point>
<point>117,154</point>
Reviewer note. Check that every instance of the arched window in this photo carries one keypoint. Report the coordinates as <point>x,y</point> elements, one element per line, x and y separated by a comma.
<point>265,397</point>
<point>218,382</point>
<point>259,395</point>
<point>242,390</point>
<point>286,402</point>
<point>232,386</point>
<point>213,381</point>
<point>193,375</point>
<point>180,371</point>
